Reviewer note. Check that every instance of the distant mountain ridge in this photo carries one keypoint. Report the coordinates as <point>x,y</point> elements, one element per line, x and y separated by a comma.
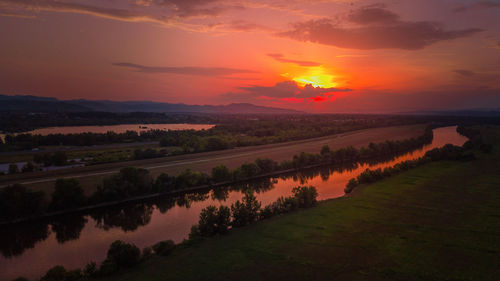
<point>44,104</point>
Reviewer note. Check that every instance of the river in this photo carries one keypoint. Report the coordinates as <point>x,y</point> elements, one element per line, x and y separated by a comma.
<point>31,249</point>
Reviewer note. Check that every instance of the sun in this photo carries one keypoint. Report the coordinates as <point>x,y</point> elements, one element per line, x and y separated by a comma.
<point>316,76</point>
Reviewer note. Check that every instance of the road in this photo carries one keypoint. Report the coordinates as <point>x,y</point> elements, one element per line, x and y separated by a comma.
<point>91,176</point>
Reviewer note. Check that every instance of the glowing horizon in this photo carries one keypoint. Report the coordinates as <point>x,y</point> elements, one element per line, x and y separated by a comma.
<point>319,56</point>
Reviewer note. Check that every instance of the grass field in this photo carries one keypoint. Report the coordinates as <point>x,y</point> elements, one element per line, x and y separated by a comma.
<point>90,176</point>
<point>440,221</point>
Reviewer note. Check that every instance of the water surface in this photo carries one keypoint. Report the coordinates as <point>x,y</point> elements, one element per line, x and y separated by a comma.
<point>115,128</point>
<point>73,241</point>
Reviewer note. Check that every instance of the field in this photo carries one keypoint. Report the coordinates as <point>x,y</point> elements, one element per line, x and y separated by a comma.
<point>437,222</point>
<point>90,176</point>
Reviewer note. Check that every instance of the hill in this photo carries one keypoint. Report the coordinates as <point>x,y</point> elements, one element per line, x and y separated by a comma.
<point>43,104</point>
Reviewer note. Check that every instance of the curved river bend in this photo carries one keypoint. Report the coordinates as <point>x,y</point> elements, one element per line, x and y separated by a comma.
<point>29,250</point>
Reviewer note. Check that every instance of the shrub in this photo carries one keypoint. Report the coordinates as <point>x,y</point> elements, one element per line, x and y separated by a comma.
<point>89,270</point>
<point>128,182</point>
<point>250,170</point>
<point>123,254</point>
<point>247,211</point>
<point>216,143</point>
<point>266,165</point>
<point>59,273</point>
<point>306,195</point>
<point>164,248</point>
<point>350,185</point>
<point>147,253</point>
<point>67,194</point>
<point>194,234</point>
<point>164,183</point>
<point>189,178</point>
<point>213,220</point>
<point>266,212</point>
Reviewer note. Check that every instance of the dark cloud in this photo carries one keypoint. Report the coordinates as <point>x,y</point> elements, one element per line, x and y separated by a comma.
<point>282,90</point>
<point>376,28</point>
<point>464,72</point>
<point>477,6</point>
<point>373,14</point>
<point>281,58</point>
<point>187,70</point>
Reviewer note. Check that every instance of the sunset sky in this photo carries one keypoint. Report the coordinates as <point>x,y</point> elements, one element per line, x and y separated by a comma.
<point>312,55</point>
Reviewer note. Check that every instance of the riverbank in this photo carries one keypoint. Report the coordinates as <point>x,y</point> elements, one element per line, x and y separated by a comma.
<point>437,222</point>
<point>340,158</point>
<point>90,176</point>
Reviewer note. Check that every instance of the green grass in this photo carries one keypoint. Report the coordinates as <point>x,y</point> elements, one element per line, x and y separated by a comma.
<point>440,221</point>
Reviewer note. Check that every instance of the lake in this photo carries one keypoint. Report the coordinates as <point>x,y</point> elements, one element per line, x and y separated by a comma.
<point>115,128</point>
<point>75,240</point>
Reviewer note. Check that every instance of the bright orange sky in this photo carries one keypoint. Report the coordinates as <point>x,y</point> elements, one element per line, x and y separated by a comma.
<point>312,55</point>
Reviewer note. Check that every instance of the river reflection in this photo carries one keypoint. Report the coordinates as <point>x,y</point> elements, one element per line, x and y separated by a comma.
<point>73,241</point>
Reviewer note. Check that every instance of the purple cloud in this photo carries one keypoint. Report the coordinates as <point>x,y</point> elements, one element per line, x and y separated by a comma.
<point>377,28</point>
<point>186,70</point>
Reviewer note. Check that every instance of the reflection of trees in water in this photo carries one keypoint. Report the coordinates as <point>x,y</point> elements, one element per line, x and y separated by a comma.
<point>257,185</point>
<point>305,175</point>
<point>68,227</point>
<point>186,200</point>
<point>128,218</point>
<point>15,239</point>
<point>164,203</point>
<point>220,193</point>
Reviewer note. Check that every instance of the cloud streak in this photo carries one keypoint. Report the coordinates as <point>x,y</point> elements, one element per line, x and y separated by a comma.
<point>281,58</point>
<point>186,70</point>
<point>464,72</point>
<point>374,28</point>
<point>69,7</point>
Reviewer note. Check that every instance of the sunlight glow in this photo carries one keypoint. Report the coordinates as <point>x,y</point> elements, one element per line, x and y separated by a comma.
<point>317,77</point>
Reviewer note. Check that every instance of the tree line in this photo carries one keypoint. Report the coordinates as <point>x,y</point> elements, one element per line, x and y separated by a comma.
<point>230,131</point>
<point>132,182</point>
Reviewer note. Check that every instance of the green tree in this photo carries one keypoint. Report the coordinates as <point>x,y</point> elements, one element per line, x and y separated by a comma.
<point>67,194</point>
<point>123,254</point>
<point>216,143</point>
<point>18,201</point>
<point>350,185</point>
<point>266,165</point>
<point>221,173</point>
<point>213,220</point>
<point>246,211</point>
<point>164,248</point>
<point>306,195</point>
